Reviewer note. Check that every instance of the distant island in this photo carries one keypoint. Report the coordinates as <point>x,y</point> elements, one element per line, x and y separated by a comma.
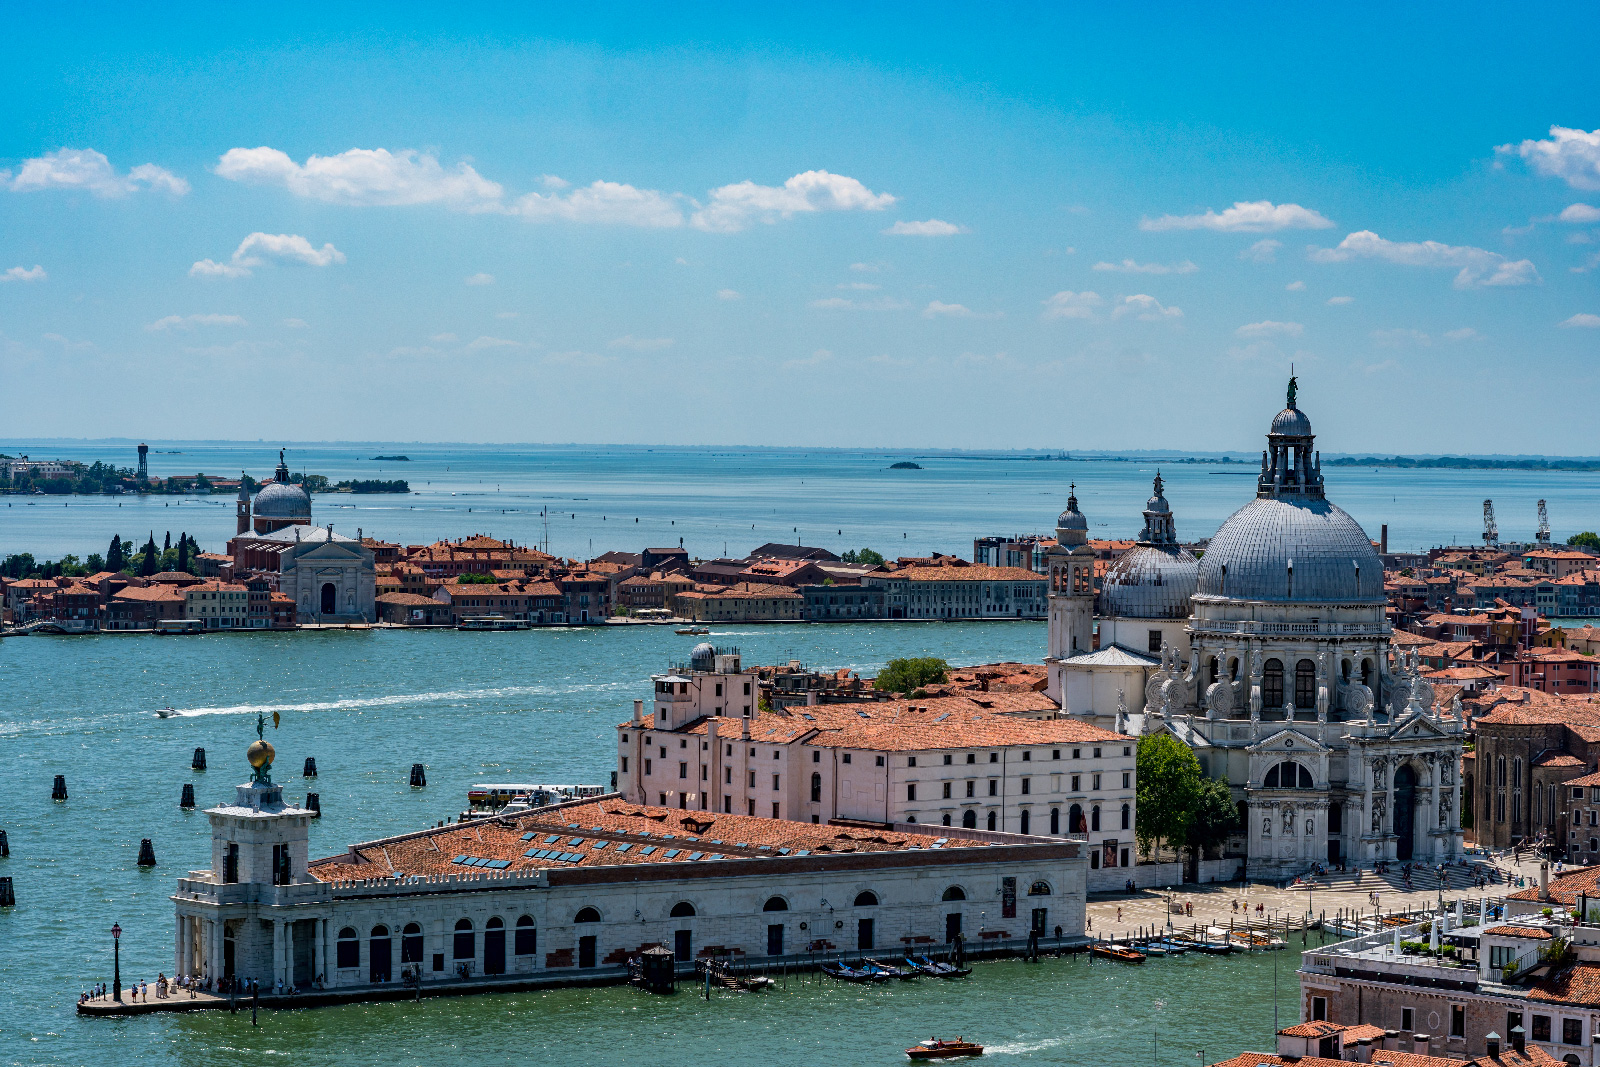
<point>1468,463</point>
<point>374,486</point>
<point>391,459</point>
<point>905,465</point>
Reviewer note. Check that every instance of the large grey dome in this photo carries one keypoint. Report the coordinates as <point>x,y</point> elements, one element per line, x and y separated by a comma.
<point>278,500</point>
<point>1150,582</point>
<point>1291,422</point>
<point>1332,558</point>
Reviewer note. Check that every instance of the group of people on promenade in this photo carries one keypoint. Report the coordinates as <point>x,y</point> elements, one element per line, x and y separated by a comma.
<point>139,992</point>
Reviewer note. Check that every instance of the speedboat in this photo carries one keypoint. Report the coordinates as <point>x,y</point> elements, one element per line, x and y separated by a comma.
<point>935,1049</point>
<point>165,713</point>
<point>1116,952</point>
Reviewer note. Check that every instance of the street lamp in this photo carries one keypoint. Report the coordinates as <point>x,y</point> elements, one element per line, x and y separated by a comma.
<point>116,966</point>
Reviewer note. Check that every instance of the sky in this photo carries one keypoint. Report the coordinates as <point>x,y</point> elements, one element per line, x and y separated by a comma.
<point>959,226</point>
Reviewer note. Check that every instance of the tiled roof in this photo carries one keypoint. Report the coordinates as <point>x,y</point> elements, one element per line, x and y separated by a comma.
<point>970,573</point>
<point>1558,759</point>
<point>150,593</point>
<point>409,599</point>
<point>611,832</point>
<point>1588,779</point>
<point>1531,1056</point>
<point>1534,932</point>
<point>1566,889</point>
<point>1577,984</point>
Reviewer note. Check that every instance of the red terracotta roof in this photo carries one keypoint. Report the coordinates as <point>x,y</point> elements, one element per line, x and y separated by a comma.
<point>1534,932</point>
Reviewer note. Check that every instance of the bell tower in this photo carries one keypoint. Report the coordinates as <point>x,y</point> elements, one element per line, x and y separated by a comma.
<point>1071,567</point>
<point>243,507</point>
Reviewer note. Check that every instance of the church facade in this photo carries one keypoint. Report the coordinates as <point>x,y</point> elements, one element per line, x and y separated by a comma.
<point>1270,657</point>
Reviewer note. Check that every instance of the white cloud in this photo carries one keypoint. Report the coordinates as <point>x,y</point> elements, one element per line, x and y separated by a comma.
<point>365,177</point>
<point>258,244</point>
<point>839,303</point>
<point>444,338</point>
<point>295,324</point>
<point>937,309</point>
<point>641,344</point>
<point>1579,213</point>
<point>1571,155</point>
<point>479,344</point>
<point>23,274</point>
<point>735,206</point>
<point>1400,336</point>
<point>86,169</point>
<point>1258,216</point>
<point>1340,301</point>
<point>508,315</point>
<point>926,228</point>
<point>605,203</point>
<point>1069,305</point>
<point>729,294</point>
<point>1269,328</point>
<point>1584,320</point>
<point>815,359</point>
<point>480,279</point>
<point>189,322</point>
<point>1146,308</point>
<point>869,267</point>
<point>1478,266</point>
<point>1128,266</point>
<point>864,287</point>
<point>1465,333</point>
<point>1296,287</point>
<point>1263,251</point>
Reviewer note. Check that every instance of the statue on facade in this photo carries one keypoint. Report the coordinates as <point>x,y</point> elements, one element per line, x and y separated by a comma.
<point>1288,821</point>
<point>1378,806</point>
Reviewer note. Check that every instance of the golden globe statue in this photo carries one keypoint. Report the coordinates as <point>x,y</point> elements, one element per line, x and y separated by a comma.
<point>260,754</point>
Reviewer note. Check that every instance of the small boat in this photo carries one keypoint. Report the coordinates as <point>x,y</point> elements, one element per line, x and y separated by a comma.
<point>935,969</point>
<point>692,631</point>
<point>1206,945</point>
<point>904,974</point>
<point>846,973</point>
<point>165,713</point>
<point>934,1049</point>
<point>1174,948</point>
<point>1116,952</point>
<point>1158,948</point>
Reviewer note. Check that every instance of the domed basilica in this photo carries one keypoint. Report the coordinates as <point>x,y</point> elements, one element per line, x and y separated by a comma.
<point>1270,658</point>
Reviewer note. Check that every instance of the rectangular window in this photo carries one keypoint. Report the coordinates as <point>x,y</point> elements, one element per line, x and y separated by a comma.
<point>994,788</point>
<point>847,757</point>
<point>1077,753</point>
<point>1571,1030</point>
<point>947,791</point>
<point>972,788</point>
<point>880,761</point>
<point>972,757</point>
<point>1097,753</point>
<point>1155,640</point>
<point>816,757</point>
<point>1458,1020</point>
<point>683,770</point>
<point>1055,753</point>
<point>774,783</point>
<point>1077,780</point>
<point>1406,1018</point>
<point>1541,1028</point>
<point>948,759</point>
<point>774,809</point>
<point>1026,785</point>
<point>752,779</point>
<point>911,761</point>
<point>911,792</point>
<point>624,764</point>
<point>1319,1009</point>
<point>704,771</point>
<point>1127,777</point>
<point>1027,757</point>
<point>1096,784</point>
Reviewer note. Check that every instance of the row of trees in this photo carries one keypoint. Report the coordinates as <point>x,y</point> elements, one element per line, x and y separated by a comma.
<point>122,555</point>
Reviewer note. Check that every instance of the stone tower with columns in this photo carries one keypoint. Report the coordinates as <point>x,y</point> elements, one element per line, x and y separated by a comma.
<point>1070,564</point>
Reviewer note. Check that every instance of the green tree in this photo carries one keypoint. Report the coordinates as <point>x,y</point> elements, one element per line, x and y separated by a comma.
<point>1216,817</point>
<point>906,675</point>
<point>183,552</point>
<point>149,557</point>
<point>863,555</point>
<point>115,560</point>
<point>167,544</point>
<point>95,563</point>
<point>477,579</point>
<point>71,566</point>
<point>1168,793</point>
<point>1588,539</point>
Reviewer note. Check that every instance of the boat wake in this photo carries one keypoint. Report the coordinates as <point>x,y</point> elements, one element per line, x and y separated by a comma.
<point>1020,1047</point>
<point>450,696</point>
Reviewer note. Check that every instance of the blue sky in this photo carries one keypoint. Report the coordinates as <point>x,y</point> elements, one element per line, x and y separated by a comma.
<point>1036,226</point>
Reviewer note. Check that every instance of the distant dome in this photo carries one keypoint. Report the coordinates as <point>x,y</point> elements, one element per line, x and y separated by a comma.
<point>278,500</point>
<point>1250,556</point>
<point>703,653</point>
<point>1071,520</point>
<point>1291,422</point>
<point>1150,582</point>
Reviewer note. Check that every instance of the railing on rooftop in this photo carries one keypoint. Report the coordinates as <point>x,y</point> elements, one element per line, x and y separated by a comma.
<point>1248,626</point>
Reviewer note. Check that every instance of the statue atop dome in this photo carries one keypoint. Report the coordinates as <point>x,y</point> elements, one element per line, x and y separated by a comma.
<point>1294,389</point>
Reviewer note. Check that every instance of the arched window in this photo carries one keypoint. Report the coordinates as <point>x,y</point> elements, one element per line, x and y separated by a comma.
<point>587,915</point>
<point>1127,816</point>
<point>682,910</point>
<point>1272,684</point>
<point>348,948</point>
<point>1094,817</point>
<point>866,899</point>
<point>816,787</point>
<point>969,819</point>
<point>992,820</point>
<point>945,819</point>
<point>1344,671</point>
<point>494,946</point>
<point>1055,820</point>
<point>1366,673</point>
<point>378,955</point>
<point>466,942</point>
<point>1039,889</point>
<point>1214,669</point>
<point>1023,820</point>
<point>955,892</point>
<point>411,943</point>
<point>1288,775</point>
<point>1075,823</point>
<point>1305,684</point>
<point>527,937</point>
<point>775,904</point>
<point>1233,669</point>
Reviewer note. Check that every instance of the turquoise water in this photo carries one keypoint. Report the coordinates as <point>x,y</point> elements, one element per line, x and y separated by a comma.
<point>720,500</point>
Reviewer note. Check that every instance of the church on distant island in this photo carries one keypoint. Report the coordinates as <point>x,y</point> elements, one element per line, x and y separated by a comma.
<point>1269,656</point>
<point>330,577</point>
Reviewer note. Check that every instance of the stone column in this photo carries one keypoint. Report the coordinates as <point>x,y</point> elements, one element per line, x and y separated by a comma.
<point>319,956</point>
<point>277,955</point>
<point>180,935</point>
<point>215,970</point>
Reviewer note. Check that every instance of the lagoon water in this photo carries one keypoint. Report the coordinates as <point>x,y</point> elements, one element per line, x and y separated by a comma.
<point>587,500</point>
<point>526,706</point>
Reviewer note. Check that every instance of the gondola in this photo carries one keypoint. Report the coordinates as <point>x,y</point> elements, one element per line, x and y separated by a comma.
<point>845,973</point>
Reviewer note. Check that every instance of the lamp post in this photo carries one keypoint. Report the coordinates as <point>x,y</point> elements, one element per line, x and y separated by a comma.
<point>116,964</point>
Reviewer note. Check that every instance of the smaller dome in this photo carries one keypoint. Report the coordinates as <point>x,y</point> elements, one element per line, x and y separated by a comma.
<point>1071,520</point>
<point>1150,582</point>
<point>703,654</point>
<point>260,754</point>
<point>278,500</point>
<point>1291,422</point>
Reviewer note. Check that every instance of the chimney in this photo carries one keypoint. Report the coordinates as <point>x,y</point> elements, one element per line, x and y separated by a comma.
<point>638,711</point>
<point>1383,540</point>
<point>1517,1034</point>
<point>1544,885</point>
<point>744,729</point>
<point>1492,1045</point>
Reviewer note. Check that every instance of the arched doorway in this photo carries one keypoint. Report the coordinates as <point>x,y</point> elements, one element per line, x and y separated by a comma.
<point>330,599</point>
<point>1405,810</point>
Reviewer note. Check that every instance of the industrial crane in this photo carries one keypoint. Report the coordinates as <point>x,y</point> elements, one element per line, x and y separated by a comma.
<point>1543,536</point>
<point>1491,532</point>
